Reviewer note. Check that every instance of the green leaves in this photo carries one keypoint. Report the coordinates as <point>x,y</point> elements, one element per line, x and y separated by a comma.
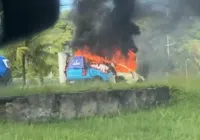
<point>41,50</point>
<point>21,51</point>
<point>192,38</point>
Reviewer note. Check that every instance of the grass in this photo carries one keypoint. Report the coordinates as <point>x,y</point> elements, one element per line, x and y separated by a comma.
<point>69,88</point>
<point>179,121</point>
<point>16,90</point>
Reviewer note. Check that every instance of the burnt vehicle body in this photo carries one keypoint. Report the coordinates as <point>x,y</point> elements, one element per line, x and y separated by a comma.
<point>79,69</point>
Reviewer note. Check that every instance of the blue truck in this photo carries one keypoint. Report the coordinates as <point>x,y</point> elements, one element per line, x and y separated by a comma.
<point>5,71</point>
<point>79,68</point>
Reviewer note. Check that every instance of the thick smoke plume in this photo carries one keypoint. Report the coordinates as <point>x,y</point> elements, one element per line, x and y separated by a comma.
<point>104,24</point>
<point>172,18</point>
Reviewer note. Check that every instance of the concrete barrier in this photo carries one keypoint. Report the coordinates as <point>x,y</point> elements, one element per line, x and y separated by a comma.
<point>65,106</point>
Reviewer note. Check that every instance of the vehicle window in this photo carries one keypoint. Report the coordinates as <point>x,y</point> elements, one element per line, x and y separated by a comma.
<point>7,63</point>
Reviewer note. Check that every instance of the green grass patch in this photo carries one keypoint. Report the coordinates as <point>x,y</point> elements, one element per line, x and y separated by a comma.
<point>172,82</point>
<point>178,121</point>
<point>175,122</point>
<point>70,88</point>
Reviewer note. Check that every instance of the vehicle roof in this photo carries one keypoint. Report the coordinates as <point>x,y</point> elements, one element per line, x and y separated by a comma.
<point>78,56</point>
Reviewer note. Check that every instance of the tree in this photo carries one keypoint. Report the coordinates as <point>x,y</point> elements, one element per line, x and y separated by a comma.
<point>57,38</point>
<point>21,55</point>
<point>16,53</point>
<point>37,59</point>
<point>193,46</point>
<point>37,55</point>
<point>191,43</point>
<point>27,52</point>
<point>60,34</point>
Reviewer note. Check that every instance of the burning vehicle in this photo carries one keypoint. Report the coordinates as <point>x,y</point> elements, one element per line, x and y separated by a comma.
<point>85,65</point>
<point>104,34</point>
<point>5,72</point>
<point>80,68</point>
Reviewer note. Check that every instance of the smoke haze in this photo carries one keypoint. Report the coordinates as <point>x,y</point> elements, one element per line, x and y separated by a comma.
<point>103,24</point>
<point>170,18</point>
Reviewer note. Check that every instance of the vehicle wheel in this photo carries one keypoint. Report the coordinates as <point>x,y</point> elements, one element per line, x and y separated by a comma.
<point>97,79</point>
<point>139,81</point>
<point>9,82</point>
<point>70,82</point>
<point>119,79</point>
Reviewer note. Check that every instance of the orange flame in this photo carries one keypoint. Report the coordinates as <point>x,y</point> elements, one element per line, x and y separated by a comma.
<point>122,63</point>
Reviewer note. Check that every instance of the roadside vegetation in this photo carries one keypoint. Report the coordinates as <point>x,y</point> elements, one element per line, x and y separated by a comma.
<point>16,90</point>
<point>178,121</point>
<point>175,83</point>
<point>35,58</point>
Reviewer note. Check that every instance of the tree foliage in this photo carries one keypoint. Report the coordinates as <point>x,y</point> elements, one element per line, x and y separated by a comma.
<point>40,51</point>
<point>36,56</point>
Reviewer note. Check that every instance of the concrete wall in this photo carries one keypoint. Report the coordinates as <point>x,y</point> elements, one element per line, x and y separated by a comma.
<point>62,106</point>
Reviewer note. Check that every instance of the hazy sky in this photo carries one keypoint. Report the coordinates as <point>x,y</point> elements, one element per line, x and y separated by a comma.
<point>67,4</point>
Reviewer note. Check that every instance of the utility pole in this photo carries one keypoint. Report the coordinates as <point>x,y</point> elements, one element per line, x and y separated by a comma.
<point>186,67</point>
<point>168,45</point>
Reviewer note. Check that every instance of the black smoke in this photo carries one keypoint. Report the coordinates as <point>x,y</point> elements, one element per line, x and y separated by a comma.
<point>103,24</point>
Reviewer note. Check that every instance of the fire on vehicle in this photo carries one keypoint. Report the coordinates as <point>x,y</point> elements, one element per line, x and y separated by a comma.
<point>85,65</point>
